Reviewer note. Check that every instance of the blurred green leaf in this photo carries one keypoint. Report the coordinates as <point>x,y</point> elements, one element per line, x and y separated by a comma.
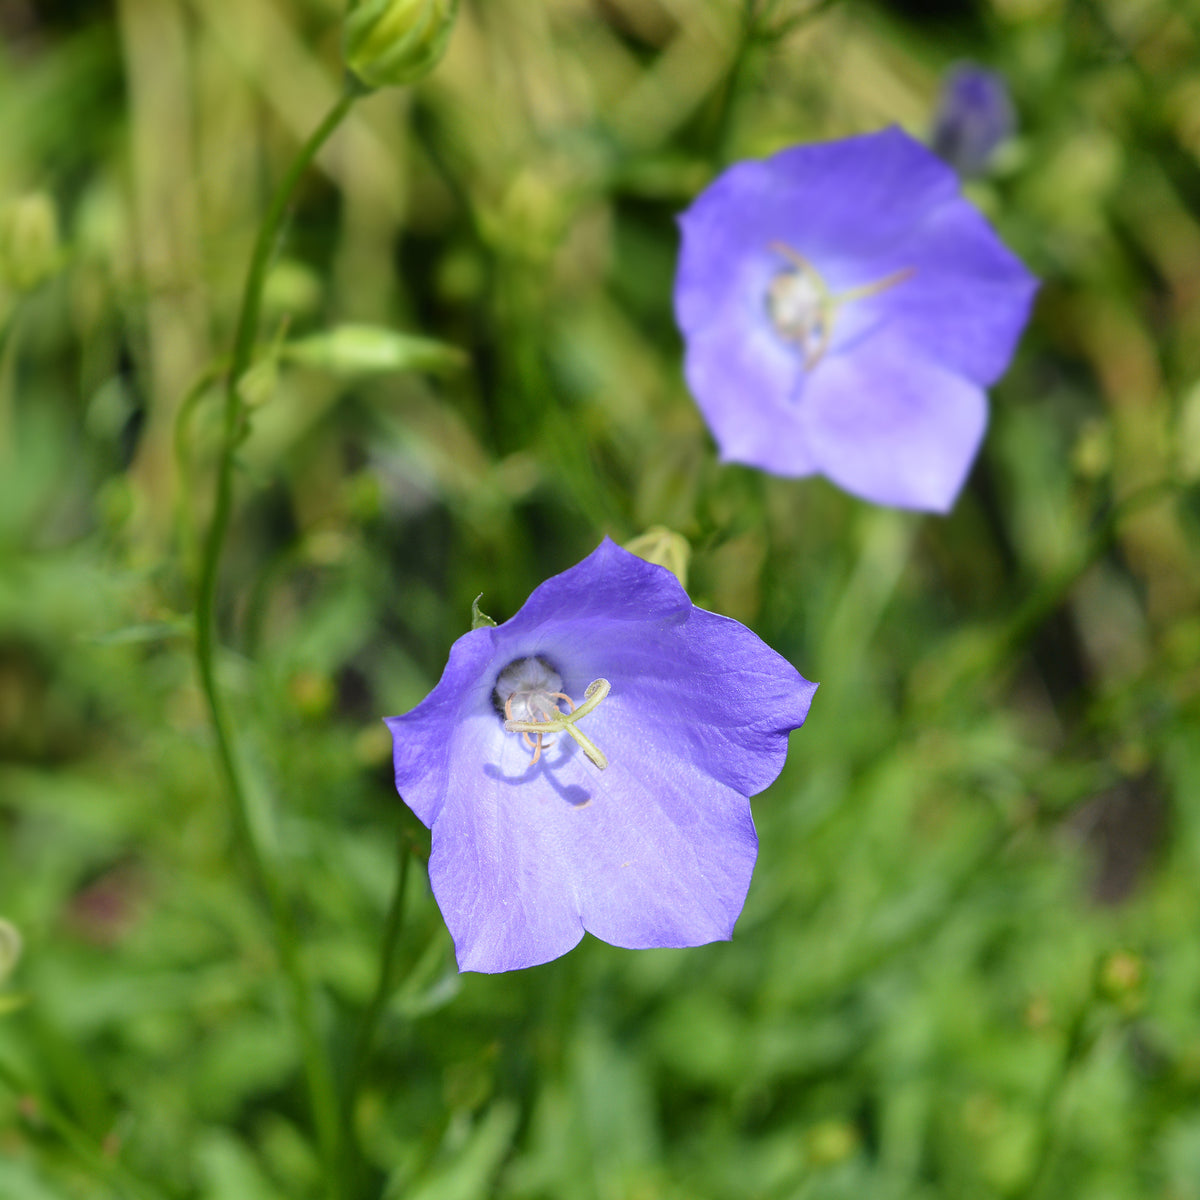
<point>370,350</point>
<point>472,1165</point>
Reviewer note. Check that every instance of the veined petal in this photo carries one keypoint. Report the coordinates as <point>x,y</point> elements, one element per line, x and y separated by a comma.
<point>745,380</point>
<point>967,299</point>
<point>840,204</point>
<point>646,853</point>
<point>610,584</point>
<point>709,693</point>
<point>892,426</point>
<point>500,843</point>
<point>422,745</point>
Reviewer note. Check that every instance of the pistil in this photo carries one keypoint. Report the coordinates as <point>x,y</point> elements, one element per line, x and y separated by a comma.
<point>804,310</point>
<point>543,723</point>
<point>528,694</point>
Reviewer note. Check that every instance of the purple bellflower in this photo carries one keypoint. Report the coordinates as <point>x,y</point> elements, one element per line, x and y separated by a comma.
<point>974,117</point>
<point>587,765</point>
<point>844,308</point>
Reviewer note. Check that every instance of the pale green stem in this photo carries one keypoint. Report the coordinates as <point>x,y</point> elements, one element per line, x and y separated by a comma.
<point>322,1093</point>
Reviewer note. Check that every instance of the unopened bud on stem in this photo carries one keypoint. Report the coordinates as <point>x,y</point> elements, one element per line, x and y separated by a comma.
<point>391,42</point>
<point>29,250</point>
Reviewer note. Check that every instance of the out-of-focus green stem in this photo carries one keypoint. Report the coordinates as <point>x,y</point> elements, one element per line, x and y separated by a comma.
<point>387,963</point>
<point>1079,1044</point>
<point>384,984</point>
<point>8,359</point>
<point>758,31</point>
<point>1039,606</point>
<point>183,465</point>
<point>104,1164</point>
<point>1009,637</point>
<point>322,1093</point>
<point>723,126</point>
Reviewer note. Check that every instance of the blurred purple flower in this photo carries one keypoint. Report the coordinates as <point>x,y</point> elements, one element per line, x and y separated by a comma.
<point>974,116</point>
<point>651,842</point>
<point>844,308</point>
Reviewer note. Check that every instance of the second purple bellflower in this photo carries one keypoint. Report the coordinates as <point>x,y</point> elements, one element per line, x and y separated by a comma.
<point>844,308</point>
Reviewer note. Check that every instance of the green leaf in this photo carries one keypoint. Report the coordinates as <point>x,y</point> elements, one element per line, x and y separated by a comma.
<point>469,1173</point>
<point>12,1002</point>
<point>10,948</point>
<point>372,350</point>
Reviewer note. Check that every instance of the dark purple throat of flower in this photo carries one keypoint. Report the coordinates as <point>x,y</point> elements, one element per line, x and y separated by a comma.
<point>529,695</point>
<point>802,307</point>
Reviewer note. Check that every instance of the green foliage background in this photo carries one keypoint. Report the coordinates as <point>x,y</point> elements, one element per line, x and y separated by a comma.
<point>969,965</point>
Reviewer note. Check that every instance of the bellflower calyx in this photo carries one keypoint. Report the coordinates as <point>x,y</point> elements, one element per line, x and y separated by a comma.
<point>587,765</point>
<point>844,308</point>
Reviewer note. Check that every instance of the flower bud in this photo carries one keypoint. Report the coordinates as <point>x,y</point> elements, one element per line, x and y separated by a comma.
<point>28,241</point>
<point>664,547</point>
<point>1121,977</point>
<point>974,116</point>
<point>396,41</point>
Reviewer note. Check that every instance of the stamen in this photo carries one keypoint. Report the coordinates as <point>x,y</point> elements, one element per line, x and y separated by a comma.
<point>803,308</point>
<point>873,289</point>
<point>545,723</point>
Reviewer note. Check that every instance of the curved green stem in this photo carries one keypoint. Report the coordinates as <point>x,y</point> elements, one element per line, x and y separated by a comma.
<point>322,1093</point>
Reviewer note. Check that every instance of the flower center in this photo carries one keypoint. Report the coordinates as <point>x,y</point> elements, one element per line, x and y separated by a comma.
<point>529,694</point>
<point>803,309</point>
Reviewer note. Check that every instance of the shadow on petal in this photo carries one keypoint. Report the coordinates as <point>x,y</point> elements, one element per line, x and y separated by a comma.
<point>570,793</point>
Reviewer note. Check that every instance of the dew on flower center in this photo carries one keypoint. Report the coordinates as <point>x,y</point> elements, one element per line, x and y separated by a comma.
<point>529,696</point>
<point>803,309</point>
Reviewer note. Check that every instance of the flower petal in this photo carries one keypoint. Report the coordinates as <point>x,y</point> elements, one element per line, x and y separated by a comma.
<point>893,427</point>
<point>745,380</point>
<point>525,857</point>
<point>708,693</point>
<point>968,297</point>
<point>715,249</point>
<point>422,745</point>
<point>726,699</point>
<point>609,585</point>
<point>501,845</point>
<point>846,202</point>
<point>840,204</point>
